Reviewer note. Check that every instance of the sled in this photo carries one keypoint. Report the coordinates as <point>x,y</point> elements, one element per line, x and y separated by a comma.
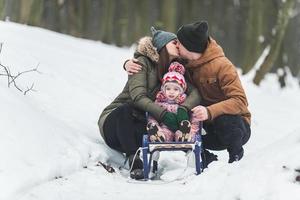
<point>149,148</point>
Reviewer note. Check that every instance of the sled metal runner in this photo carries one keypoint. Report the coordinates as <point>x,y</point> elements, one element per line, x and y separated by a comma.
<point>151,147</point>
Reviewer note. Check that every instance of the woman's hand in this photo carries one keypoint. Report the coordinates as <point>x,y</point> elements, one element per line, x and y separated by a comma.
<point>132,66</point>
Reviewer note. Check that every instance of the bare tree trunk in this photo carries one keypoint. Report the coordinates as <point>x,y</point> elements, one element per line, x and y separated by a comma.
<point>291,43</point>
<point>84,18</point>
<point>142,25</point>
<point>131,28</point>
<point>72,17</point>
<point>7,10</point>
<point>2,4</point>
<point>36,13</point>
<point>25,11</point>
<point>108,23</point>
<point>50,15</point>
<point>253,47</point>
<point>15,15</point>
<point>64,24</point>
<point>117,29</point>
<point>280,28</point>
<point>92,21</point>
<point>169,15</point>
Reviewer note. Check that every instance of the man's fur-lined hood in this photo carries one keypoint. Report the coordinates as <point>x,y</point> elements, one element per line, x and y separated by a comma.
<point>146,48</point>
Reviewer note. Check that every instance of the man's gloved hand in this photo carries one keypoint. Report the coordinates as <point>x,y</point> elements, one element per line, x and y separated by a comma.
<point>182,114</point>
<point>170,120</point>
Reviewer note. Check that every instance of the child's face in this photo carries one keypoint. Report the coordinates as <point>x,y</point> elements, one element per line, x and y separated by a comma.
<point>172,91</point>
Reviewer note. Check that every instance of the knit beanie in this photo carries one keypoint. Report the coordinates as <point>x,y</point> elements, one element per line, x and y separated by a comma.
<point>194,37</point>
<point>161,38</point>
<point>175,75</point>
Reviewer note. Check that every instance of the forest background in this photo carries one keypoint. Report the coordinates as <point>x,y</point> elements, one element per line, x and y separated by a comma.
<point>245,29</point>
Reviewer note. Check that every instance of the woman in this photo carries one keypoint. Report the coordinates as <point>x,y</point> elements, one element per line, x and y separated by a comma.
<point>122,123</point>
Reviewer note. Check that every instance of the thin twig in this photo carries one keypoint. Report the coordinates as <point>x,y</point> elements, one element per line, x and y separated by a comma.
<point>11,79</point>
<point>29,89</point>
<point>20,73</point>
<point>16,86</point>
<point>6,69</point>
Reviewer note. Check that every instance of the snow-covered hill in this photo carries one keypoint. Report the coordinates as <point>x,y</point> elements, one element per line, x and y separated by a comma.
<point>50,143</point>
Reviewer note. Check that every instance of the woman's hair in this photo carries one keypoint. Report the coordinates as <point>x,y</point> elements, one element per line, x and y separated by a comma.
<point>163,62</point>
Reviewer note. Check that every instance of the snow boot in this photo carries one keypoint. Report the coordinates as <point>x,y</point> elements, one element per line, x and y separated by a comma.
<point>208,157</point>
<point>183,135</point>
<point>154,133</point>
<point>136,166</point>
<point>233,157</point>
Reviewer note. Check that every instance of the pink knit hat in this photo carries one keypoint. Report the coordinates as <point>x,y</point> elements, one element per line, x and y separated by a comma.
<point>175,75</point>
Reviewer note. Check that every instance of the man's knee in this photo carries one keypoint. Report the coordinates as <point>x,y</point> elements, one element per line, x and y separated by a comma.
<point>229,128</point>
<point>227,122</point>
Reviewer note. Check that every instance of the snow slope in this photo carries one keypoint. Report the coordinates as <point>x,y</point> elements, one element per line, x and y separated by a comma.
<point>50,143</point>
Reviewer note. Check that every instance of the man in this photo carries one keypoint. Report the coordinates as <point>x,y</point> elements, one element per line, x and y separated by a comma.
<point>224,104</point>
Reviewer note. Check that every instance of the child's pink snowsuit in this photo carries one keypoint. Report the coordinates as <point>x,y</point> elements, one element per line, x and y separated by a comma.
<point>172,107</point>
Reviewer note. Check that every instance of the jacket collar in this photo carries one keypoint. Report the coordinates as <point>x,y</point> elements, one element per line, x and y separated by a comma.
<point>146,48</point>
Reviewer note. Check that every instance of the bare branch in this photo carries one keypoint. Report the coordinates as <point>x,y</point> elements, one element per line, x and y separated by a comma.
<point>29,89</point>
<point>16,86</point>
<point>7,73</point>
<point>20,73</point>
<point>11,79</point>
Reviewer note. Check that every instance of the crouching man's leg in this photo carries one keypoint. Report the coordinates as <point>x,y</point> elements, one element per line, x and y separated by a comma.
<point>229,132</point>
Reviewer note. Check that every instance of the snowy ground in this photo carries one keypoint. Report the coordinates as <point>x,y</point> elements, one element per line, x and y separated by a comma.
<point>50,144</point>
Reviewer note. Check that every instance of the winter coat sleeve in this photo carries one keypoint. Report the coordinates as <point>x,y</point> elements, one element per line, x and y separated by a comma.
<point>193,97</point>
<point>230,84</point>
<point>138,91</point>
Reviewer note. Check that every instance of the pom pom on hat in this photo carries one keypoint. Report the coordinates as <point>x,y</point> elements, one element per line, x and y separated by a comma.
<point>177,67</point>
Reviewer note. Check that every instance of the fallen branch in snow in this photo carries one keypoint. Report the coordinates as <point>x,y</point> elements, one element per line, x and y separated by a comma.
<point>11,79</point>
<point>297,177</point>
<point>108,168</point>
<point>29,89</point>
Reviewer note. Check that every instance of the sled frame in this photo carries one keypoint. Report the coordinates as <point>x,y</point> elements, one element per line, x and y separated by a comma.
<point>151,147</point>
